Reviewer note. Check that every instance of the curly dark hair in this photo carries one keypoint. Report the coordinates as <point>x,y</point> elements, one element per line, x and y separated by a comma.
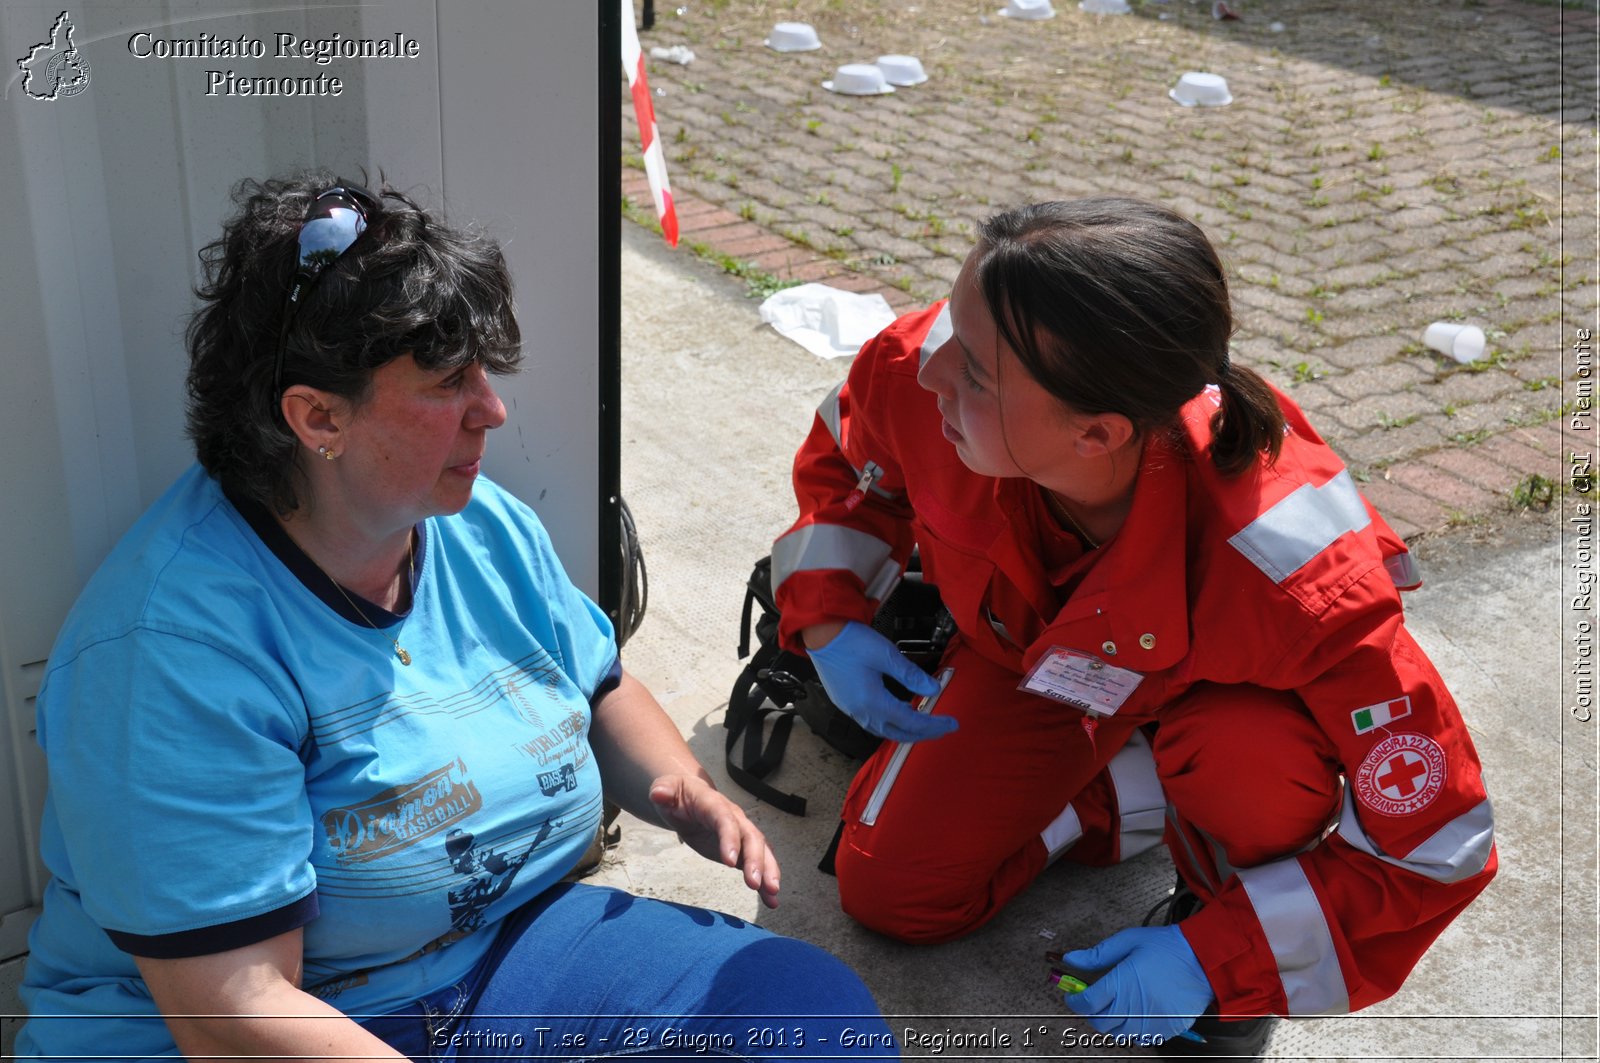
<point>407,285</point>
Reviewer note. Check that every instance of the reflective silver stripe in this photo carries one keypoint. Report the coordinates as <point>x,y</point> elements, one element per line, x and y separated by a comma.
<point>1141,803</point>
<point>999,628</point>
<point>1062,833</point>
<point>828,410</point>
<point>1298,934</point>
<point>1458,850</point>
<point>1298,528</point>
<point>897,759</point>
<point>1404,570</point>
<point>882,584</point>
<point>1194,864</point>
<point>828,546</point>
<point>937,336</point>
<point>1219,855</point>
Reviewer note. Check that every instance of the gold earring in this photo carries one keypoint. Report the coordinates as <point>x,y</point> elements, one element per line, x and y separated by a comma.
<point>325,452</point>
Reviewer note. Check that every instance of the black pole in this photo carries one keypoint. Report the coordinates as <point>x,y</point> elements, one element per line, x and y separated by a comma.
<point>609,279</point>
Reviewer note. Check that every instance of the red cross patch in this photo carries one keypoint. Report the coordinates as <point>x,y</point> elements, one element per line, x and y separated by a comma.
<point>1401,774</point>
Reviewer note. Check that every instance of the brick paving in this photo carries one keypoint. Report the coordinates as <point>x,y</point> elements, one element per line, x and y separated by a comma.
<point>1382,166</point>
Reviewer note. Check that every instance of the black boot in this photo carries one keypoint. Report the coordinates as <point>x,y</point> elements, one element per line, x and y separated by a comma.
<point>1236,1038</point>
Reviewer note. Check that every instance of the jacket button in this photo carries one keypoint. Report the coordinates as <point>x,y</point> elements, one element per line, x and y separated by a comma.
<point>1109,646</point>
<point>1147,640</point>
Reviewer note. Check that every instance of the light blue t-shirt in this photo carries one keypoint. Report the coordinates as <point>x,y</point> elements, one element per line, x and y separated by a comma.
<point>229,758</point>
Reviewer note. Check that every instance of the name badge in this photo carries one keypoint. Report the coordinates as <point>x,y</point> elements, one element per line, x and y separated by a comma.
<point>1080,680</point>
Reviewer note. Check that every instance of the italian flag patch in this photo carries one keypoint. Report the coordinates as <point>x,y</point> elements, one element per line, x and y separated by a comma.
<point>1380,715</point>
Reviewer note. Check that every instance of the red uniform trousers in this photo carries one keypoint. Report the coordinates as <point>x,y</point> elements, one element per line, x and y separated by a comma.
<point>932,851</point>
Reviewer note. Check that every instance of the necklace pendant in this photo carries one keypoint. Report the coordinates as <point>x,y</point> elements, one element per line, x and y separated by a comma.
<point>400,652</point>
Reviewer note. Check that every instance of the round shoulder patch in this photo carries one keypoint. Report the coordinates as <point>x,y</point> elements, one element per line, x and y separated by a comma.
<point>1401,774</point>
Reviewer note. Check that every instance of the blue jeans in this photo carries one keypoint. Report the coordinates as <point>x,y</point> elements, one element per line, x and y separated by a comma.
<point>588,972</point>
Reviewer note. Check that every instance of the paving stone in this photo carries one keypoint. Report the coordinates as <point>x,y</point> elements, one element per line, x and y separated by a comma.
<point>857,282</point>
<point>1388,411</point>
<point>751,244</point>
<point>1453,494</point>
<point>707,222</point>
<point>1479,466</point>
<point>821,270</point>
<point>1558,438</point>
<point>1377,298</point>
<point>1461,387</point>
<point>1513,453</point>
<point>1406,511</point>
<point>783,259</point>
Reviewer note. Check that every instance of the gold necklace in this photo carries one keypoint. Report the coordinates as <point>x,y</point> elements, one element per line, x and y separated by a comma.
<point>411,571</point>
<point>1060,508</point>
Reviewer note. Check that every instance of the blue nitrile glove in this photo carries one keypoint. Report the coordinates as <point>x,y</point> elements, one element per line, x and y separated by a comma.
<point>1154,990</point>
<point>852,667</point>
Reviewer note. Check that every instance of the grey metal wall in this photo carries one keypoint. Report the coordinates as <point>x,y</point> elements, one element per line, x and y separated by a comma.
<point>107,195</point>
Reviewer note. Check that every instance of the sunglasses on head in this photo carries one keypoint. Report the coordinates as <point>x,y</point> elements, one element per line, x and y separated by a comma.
<point>335,219</point>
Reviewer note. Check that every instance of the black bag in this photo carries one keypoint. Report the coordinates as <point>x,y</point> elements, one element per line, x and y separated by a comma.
<point>783,685</point>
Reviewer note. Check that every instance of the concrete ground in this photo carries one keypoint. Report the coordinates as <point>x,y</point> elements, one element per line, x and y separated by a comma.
<point>714,404</point>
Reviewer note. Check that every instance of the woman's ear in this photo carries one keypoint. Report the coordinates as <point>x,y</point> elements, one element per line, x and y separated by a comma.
<point>1103,433</point>
<point>313,416</point>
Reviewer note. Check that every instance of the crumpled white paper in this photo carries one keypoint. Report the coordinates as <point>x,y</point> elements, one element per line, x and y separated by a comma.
<point>676,54</point>
<point>829,322</point>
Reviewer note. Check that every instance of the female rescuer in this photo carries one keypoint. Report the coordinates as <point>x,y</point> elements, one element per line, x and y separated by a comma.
<point>1177,620</point>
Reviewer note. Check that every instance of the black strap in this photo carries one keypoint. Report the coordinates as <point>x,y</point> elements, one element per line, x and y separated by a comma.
<point>783,685</point>
<point>825,865</point>
<point>748,706</point>
<point>746,717</point>
<point>744,622</point>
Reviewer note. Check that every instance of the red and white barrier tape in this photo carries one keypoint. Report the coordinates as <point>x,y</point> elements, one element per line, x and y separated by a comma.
<point>655,163</point>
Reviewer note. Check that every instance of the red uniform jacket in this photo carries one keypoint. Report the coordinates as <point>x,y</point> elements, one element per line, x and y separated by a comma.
<point>1283,577</point>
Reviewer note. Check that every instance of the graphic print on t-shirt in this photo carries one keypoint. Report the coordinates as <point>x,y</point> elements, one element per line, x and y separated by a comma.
<point>489,874</point>
<point>401,816</point>
<point>511,683</point>
<point>536,672</point>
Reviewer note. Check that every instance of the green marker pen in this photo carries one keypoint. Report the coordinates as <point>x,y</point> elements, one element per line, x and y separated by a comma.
<point>1068,983</point>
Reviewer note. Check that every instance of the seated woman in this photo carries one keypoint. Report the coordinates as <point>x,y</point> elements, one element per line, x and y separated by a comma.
<point>330,725</point>
<point>1177,618</point>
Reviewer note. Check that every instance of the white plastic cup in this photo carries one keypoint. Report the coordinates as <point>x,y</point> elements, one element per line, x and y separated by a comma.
<point>858,79</point>
<point>1464,343</point>
<point>793,37</point>
<point>1199,89</point>
<point>904,70</point>
<point>1028,10</point>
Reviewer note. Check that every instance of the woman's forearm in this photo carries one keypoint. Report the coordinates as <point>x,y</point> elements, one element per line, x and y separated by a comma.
<point>635,743</point>
<point>648,769</point>
<point>290,1026</point>
<point>247,1003</point>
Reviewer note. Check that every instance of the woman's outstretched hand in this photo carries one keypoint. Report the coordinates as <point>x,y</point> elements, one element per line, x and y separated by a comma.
<point>717,829</point>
